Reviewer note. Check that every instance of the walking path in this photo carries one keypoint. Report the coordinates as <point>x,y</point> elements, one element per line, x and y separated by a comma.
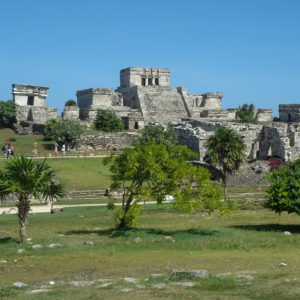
<point>47,208</point>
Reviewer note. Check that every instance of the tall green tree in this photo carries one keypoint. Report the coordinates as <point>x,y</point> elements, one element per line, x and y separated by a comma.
<point>226,150</point>
<point>108,121</point>
<point>158,135</point>
<point>153,171</point>
<point>63,131</point>
<point>7,114</point>
<point>284,192</point>
<point>246,114</point>
<point>24,178</point>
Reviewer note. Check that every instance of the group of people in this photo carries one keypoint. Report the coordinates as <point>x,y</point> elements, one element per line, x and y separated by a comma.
<point>62,149</point>
<point>8,151</point>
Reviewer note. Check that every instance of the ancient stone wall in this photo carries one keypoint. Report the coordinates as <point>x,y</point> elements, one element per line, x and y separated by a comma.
<point>264,115</point>
<point>105,141</point>
<point>35,114</point>
<point>289,112</point>
<point>98,98</point>
<point>134,76</point>
<point>275,139</point>
<point>71,113</point>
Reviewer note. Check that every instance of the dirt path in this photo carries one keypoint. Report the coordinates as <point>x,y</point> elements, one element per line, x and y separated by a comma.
<point>46,208</point>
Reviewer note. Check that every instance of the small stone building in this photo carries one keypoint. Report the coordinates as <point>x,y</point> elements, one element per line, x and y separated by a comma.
<point>289,112</point>
<point>30,101</point>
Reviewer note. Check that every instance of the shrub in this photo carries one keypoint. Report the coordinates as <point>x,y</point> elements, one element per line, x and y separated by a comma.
<point>108,121</point>
<point>284,191</point>
<point>70,102</point>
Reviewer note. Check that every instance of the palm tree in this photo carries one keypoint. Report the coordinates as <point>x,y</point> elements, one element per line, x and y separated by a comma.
<point>24,178</point>
<point>225,149</point>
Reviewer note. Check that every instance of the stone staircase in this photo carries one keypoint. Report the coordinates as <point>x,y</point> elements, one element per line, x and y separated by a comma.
<point>161,104</point>
<point>87,194</point>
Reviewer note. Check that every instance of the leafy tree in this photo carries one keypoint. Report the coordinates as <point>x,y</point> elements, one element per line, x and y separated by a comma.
<point>24,178</point>
<point>225,149</point>
<point>158,135</point>
<point>154,171</point>
<point>7,114</point>
<point>245,114</point>
<point>63,131</point>
<point>108,121</point>
<point>284,191</point>
<point>70,102</point>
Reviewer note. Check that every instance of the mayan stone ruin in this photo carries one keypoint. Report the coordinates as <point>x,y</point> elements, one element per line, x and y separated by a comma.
<point>146,97</point>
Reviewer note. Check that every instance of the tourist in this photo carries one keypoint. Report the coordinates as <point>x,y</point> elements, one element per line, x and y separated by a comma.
<point>4,149</point>
<point>63,149</point>
<point>12,151</point>
<point>8,152</point>
<point>35,150</point>
<point>55,149</point>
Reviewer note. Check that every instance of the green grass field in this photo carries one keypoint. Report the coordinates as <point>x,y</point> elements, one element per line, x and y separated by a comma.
<point>243,253</point>
<point>79,173</point>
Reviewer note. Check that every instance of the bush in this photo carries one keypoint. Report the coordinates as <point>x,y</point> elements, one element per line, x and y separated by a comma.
<point>158,135</point>
<point>284,191</point>
<point>7,114</point>
<point>63,131</point>
<point>245,114</point>
<point>108,121</point>
<point>70,102</point>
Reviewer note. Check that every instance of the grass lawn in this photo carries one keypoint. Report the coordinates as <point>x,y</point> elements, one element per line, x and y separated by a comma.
<point>80,173</point>
<point>243,253</point>
<point>24,144</point>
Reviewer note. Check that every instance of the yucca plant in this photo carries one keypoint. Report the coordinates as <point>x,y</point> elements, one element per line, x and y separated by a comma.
<point>26,178</point>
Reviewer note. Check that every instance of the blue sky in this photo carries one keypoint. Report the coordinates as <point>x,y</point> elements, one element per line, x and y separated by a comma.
<point>249,50</point>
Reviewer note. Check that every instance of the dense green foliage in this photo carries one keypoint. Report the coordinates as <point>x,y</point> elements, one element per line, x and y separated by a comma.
<point>245,113</point>
<point>63,131</point>
<point>225,149</point>
<point>7,114</point>
<point>284,191</point>
<point>70,102</point>
<point>108,121</point>
<point>153,171</point>
<point>158,135</point>
<point>25,178</point>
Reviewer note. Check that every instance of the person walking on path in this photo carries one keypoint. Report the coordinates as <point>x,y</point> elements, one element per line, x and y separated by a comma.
<point>35,151</point>
<point>63,149</point>
<point>55,149</point>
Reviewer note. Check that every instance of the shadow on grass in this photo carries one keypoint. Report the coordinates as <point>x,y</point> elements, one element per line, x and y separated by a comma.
<point>153,231</point>
<point>270,227</point>
<point>48,146</point>
<point>6,239</point>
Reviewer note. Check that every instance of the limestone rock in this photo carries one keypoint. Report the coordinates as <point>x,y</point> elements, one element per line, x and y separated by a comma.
<point>181,274</point>
<point>287,233</point>
<point>19,284</point>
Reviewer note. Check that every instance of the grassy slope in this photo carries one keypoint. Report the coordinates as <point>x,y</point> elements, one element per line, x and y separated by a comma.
<point>80,173</point>
<point>248,242</point>
<point>24,144</point>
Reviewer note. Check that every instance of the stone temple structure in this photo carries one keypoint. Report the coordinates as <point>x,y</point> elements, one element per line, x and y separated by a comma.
<point>146,97</point>
<point>30,104</point>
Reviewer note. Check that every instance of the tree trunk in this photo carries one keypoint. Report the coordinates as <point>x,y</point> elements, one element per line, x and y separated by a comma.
<point>224,179</point>
<point>22,232</point>
<point>23,211</point>
<point>123,222</point>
